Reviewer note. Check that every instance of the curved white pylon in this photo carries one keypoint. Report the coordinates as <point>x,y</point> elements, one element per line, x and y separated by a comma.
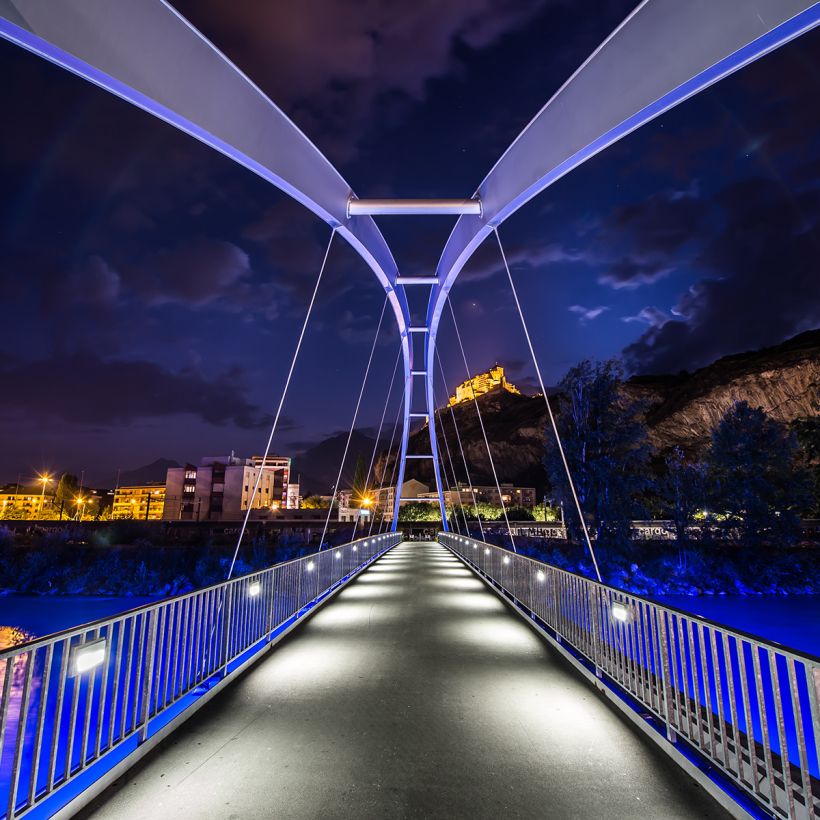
<point>663,53</point>
<point>146,53</point>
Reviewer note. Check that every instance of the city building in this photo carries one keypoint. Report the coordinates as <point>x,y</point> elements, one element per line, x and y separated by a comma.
<point>385,497</point>
<point>25,503</point>
<point>512,496</point>
<point>220,488</point>
<point>141,502</point>
<point>481,384</point>
<point>293,499</point>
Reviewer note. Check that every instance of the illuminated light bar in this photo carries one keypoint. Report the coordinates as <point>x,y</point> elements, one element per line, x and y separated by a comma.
<point>413,207</point>
<point>338,553</point>
<point>620,612</point>
<point>310,566</point>
<point>487,551</point>
<point>418,372</point>
<point>506,559</point>
<point>424,455</point>
<point>87,656</point>
<point>418,329</point>
<point>254,589</point>
<point>354,548</point>
<point>541,575</point>
<point>418,415</point>
<point>416,280</point>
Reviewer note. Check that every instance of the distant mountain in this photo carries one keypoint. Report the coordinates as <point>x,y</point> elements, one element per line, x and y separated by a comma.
<point>318,466</point>
<point>784,380</point>
<point>155,471</point>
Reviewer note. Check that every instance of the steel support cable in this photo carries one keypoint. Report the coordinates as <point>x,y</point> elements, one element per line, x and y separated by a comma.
<point>550,413</point>
<point>387,460</point>
<point>483,431</point>
<point>281,404</point>
<point>353,423</point>
<point>463,457</point>
<point>379,433</point>
<point>453,472</point>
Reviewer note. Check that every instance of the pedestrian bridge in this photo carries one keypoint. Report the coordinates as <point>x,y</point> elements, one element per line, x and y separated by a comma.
<point>387,678</point>
<point>446,679</point>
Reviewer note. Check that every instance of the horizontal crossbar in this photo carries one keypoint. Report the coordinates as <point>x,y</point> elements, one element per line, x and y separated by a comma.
<point>425,455</point>
<point>417,280</point>
<point>420,499</point>
<point>412,207</point>
<point>418,329</point>
<point>418,372</point>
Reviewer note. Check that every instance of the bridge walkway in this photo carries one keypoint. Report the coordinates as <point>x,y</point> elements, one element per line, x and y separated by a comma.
<point>415,693</point>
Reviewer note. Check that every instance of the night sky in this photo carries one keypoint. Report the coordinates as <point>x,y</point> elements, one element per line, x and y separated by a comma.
<point>153,291</point>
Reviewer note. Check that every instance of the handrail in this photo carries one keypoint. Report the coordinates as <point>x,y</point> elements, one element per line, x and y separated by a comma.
<point>747,706</point>
<point>102,689</point>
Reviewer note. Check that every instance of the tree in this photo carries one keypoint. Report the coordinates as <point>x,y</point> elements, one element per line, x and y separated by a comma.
<point>807,431</point>
<point>754,477</point>
<point>420,511</point>
<point>65,494</point>
<point>315,502</point>
<point>682,490</point>
<point>605,442</point>
<point>359,481</point>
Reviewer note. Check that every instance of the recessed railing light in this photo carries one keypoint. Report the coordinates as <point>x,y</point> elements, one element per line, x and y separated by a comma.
<point>87,656</point>
<point>254,589</point>
<point>310,566</point>
<point>541,575</point>
<point>620,612</point>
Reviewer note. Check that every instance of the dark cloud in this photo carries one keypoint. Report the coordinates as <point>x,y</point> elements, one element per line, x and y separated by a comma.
<point>330,64</point>
<point>762,285</point>
<point>84,389</point>
<point>655,231</point>
<point>193,273</point>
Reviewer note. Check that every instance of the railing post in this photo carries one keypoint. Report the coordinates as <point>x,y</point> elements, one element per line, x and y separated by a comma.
<point>148,678</point>
<point>663,647</point>
<point>226,629</point>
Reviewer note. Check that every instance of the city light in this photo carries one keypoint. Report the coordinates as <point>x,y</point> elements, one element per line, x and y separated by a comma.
<point>254,589</point>
<point>87,656</point>
<point>620,612</point>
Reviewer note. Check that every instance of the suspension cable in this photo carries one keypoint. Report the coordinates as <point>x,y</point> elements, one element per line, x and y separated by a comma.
<point>550,413</point>
<point>463,457</point>
<point>453,472</point>
<point>279,408</point>
<point>353,424</point>
<point>483,431</point>
<point>378,435</point>
<point>387,460</point>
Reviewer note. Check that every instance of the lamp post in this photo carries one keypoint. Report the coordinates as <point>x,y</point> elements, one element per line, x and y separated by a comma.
<point>80,503</point>
<point>45,479</point>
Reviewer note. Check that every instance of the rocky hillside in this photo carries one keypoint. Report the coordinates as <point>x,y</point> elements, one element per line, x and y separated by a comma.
<point>783,380</point>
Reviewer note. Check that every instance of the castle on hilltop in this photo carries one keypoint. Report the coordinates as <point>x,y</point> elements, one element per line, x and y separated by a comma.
<point>481,384</point>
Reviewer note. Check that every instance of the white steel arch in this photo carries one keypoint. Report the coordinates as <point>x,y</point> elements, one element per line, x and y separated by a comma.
<point>663,53</point>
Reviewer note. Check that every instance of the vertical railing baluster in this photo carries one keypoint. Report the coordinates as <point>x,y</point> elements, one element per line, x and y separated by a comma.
<point>36,748</point>
<point>22,719</point>
<point>151,638</point>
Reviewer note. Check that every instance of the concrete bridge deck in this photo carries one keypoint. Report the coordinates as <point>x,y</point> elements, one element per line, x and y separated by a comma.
<point>414,693</point>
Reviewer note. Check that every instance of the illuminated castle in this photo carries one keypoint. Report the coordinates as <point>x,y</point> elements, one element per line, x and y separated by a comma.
<point>481,384</point>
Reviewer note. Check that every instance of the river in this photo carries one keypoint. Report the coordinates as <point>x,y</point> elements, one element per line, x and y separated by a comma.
<point>792,620</point>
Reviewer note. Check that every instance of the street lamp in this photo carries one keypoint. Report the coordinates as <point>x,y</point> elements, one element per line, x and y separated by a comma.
<point>45,480</point>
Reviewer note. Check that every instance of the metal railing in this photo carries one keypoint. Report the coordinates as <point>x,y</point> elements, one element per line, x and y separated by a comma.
<point>101,689</point>
<point>747,706</point>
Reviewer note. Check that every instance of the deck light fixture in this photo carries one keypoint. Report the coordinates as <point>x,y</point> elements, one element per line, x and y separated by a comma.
<point>620,612</point>
<point>254,589</point>
<point>310,566</point>
<point>506,559</point>
<point>338,553</point>
<point>87,656</point>
<point>541,575</point>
